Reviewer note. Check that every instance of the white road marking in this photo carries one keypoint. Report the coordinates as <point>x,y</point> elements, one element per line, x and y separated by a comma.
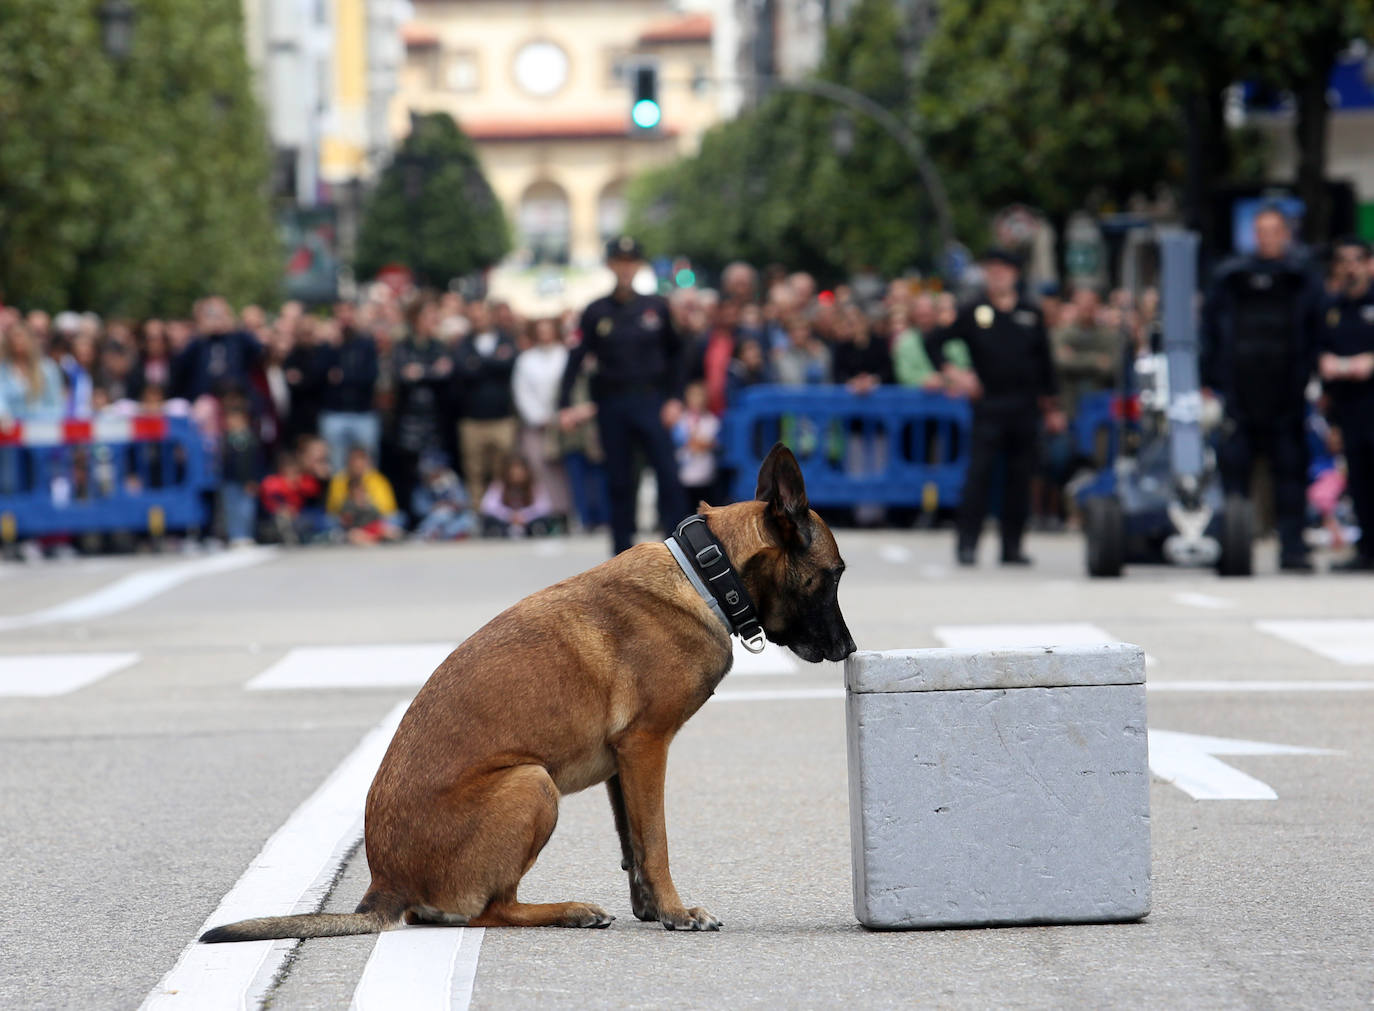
<point>894,553</point>
<point>1345,641</point>
<point>291,874</point>
<point>1259,686</point>
<point>1205,601</point>
<point>1187,761</point>
<point>44,674</point>
<point>773,660</point>
<point>405,665</point>
<point>1003,636</point>
<point>420,967</point>
<point>933,570</point>
<point>136,589</point>
<point>779,695</point>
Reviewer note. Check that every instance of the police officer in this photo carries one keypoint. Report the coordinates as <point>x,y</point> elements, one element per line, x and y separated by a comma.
<point>1013,387</point>
<point>1345,362</point>
<point>637,386</point>
<point>1258,325</point>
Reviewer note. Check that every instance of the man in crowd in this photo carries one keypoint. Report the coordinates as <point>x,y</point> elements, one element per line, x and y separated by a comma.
<point>637,388</point>
<point>219,358</point>
<point>1013,386</point>
<point>1256,354</point>
<point>1345,349</point>
<point>348,367</point>
<point>483,363</point>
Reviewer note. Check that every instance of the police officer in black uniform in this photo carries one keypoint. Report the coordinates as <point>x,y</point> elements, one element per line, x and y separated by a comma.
<point>637,387</point>
<point>1013,387</point>
<point>1258,327</point>
<point>1345,362</point>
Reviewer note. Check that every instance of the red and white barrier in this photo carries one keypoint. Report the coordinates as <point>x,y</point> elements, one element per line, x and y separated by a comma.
<point>143,428</point>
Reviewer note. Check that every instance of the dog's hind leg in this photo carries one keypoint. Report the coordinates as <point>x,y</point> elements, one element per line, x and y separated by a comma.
<point>513,814</point>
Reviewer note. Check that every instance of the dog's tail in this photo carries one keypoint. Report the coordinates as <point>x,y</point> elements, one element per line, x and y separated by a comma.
<point>375,914</point>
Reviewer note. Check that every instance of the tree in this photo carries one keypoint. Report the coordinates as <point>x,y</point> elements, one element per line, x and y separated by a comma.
<point>433,209</point>
<point>134,188</point>
<point>771,185</point>
<point>1045,102</point>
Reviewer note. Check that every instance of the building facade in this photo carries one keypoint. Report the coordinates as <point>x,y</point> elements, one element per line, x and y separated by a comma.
<point>544,90</point>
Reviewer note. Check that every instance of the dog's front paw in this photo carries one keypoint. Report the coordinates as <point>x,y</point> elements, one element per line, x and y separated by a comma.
<point>696,918</point>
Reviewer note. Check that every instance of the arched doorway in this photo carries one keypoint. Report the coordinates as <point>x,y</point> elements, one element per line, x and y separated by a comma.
<point>545,222</point>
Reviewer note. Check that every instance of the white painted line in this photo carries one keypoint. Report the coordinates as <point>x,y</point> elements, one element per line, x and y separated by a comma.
<point>1345,641</point>
<point>1204,600</point>
<point>934,571</point>
<point>779,695</point>
<point>368,666</point>
<point>291,874</point>
<point>1187,761</point>
<point>1259,686</point>
<point>894,553</point>
<point>420,967</point>
<point>1004,636</point>
<point>45,674</point>
<point>773,660</point>
<point>136,589</point>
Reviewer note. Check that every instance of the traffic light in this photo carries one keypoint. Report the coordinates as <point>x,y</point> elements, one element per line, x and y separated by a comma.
<point>645,112</point>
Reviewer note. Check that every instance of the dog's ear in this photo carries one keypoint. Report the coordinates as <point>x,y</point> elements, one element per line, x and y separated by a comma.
<point>782,487</point>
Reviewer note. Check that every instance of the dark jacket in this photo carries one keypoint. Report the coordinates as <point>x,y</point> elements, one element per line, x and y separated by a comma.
<point>356,359</point>
<point>1010,352</point>
<point>635,347</point>
<point>1257,338</point>
<point>216,364</point>
<point>422,404</point>
<point>848,360</point>
<point>483,380</point>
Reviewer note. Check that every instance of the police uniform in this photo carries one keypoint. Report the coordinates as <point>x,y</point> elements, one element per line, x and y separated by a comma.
<point>1258,325</point>
<point>639,363</point>
<point>1010,353</point>
<point>1346,330</point>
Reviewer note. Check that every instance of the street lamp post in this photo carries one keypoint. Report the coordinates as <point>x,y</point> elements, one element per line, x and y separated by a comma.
<point>117,19</point>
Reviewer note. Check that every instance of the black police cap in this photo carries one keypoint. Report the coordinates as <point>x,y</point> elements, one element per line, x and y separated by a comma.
<point>1000,254</point>
<point>624,247</point>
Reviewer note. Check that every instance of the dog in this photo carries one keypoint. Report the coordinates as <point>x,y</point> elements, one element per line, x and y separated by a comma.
<point>581,683</point>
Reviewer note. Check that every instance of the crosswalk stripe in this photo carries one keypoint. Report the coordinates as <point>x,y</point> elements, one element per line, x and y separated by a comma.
<point>420,967</point>
<point>37,675</point>
<point>291,874</point>
<point>394,665</point>
<point>773,660</point>
<point>1347,641</point>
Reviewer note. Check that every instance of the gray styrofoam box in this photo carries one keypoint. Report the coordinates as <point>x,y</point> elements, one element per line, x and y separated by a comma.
<point>1006,786</point>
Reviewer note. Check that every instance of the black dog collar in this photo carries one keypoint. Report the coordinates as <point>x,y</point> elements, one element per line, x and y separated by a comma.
<point>716,579</point>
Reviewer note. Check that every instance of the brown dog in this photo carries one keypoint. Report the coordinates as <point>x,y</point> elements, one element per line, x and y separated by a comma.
<point>581,683</point>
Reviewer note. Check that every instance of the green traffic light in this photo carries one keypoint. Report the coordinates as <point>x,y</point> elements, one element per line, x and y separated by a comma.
<point>646,114</point>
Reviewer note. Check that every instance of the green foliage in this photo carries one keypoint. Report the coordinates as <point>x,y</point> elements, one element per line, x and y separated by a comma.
<point>1045,101</point>
<point>433,209</point>
<point>770,186</point>
<point>131,189</point>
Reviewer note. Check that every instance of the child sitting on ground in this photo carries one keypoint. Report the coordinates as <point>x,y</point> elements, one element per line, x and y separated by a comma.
<point>515,504</point>
<point>441,502</point>
<point>360,519</point>
<point>286,496</point>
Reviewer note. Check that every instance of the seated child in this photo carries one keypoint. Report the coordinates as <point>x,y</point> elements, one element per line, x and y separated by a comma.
<point>441,502</point>
<point>360,519</point>
<point>515,504</point>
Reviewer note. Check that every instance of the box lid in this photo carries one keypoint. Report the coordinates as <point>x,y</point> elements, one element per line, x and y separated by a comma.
<point>945,670</point>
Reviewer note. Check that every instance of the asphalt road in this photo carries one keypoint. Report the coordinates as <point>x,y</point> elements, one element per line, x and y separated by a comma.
<point>134,802</point>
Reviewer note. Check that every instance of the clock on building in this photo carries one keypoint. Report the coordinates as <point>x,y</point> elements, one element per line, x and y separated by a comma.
<point>541,68</point>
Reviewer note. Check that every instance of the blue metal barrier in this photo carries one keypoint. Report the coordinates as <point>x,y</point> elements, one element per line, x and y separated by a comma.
<point>101,485</point>
<point>894,446</point>
<point>1094,427</point>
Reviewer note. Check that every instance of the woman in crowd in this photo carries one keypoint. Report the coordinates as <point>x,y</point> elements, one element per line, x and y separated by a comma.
<point>30,382</point>
<point>534,383</point>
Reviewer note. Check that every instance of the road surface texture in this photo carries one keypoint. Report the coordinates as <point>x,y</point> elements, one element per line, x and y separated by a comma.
<point>177,733</point>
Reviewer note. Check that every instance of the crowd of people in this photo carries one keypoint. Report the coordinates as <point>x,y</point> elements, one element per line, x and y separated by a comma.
<point>431,416</point>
